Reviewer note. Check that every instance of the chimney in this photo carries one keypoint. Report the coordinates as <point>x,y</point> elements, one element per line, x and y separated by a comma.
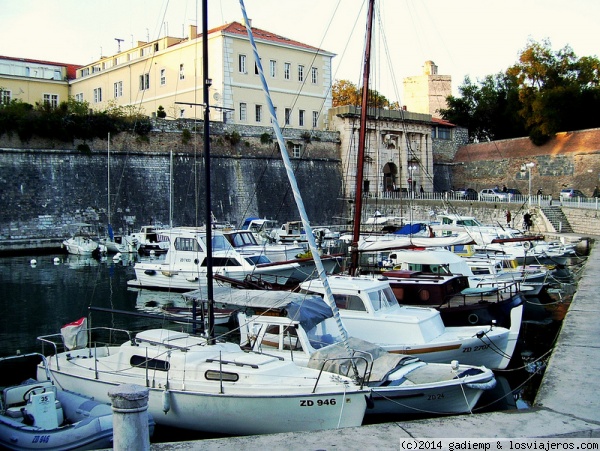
<point>193,32</point>
<point>249,22</point>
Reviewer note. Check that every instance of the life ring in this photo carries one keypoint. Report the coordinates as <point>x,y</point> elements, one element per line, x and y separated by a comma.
<point>527,244</point>
<point>473,318</point>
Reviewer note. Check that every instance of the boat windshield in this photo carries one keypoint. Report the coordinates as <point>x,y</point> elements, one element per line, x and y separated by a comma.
<point>257,259</point>
<point>219,243</point>
<point>382,299</point>
<point>324,333</point>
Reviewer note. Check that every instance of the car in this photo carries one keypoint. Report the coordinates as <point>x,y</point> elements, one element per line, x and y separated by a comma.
<point>515,195</point>
<point>493,194</point>
<point>465,194</point>
<point>570,193</point>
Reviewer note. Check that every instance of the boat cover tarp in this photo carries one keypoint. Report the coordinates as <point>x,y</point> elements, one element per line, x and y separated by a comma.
<point>307,309</point>
<point>411,229</point>
<point>334,359</point>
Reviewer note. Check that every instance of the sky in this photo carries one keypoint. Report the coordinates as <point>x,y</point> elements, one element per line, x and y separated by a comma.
<point>462,37</point>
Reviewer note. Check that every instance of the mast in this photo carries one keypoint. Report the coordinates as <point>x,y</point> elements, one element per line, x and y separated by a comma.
<point>362,137</point>
<point>297,197</point>
<point>209,263</point>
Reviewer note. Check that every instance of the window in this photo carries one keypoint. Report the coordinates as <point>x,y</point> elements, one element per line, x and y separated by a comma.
<point>301,118</point>
<point>296,150</point>
<point>443,133</point>
<point>288,115</point>
<point>315,119</point>
<point>273,68</point>
<point>4,97</point>
<point>187,244</point>
<point>258,113</point>
<point>79,97</point>
<point>145,51</point>
<point>181,72</point>
<point>118,89</point>
<point>300,72</point>
<point>314,75</point>
<point>95,69</point>
<point>286,70</point>
<point>84,72</point>
<point>256,69</point>
<point>181,113</point>
<point>275,110</point>
<point>97,95</point>
<point>242,64</point>
<point>163,77</point>
<point>243,112</point>
<point>144,82</point>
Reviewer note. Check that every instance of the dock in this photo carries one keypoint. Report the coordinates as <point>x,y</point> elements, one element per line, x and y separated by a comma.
<point>567,404</point>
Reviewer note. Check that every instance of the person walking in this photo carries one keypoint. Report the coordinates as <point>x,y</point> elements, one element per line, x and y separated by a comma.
<point>527,221</point>
<point>508,217</point>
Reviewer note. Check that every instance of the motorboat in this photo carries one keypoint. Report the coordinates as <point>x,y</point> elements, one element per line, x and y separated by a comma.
<point>184,267</point>
<point>120,244</point>
<point>457,302</point>
<point>202,384</point>
<point>301,327</point>
<point>370,311</point>
<point>151,240</point>
<point>37,414</point>
<point>81,241</point>
<point>245,242</point>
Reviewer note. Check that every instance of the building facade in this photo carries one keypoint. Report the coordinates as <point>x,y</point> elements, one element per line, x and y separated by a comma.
<point>167,73</point>
<point>34,81</point>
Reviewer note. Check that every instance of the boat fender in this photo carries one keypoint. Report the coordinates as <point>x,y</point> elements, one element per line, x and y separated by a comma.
<point>483,385</point>
<point>166,397</point>
<point>527,244</point>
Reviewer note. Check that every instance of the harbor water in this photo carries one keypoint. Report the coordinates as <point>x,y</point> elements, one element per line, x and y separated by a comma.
<point>41,293</point>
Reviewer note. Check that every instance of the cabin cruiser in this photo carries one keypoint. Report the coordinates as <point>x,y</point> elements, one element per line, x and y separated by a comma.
<point>370,311</point>
<point>184,267</point>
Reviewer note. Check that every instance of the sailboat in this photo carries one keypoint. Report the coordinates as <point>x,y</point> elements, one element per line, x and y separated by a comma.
<point>200,383</point>
<point>116,244</point>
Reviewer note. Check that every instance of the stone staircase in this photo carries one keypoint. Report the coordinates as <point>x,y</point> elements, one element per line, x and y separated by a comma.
<point>557,218</point>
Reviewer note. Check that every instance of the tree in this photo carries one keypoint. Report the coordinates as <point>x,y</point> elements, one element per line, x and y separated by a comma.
<point>544,93</point>
<point>344,92</point>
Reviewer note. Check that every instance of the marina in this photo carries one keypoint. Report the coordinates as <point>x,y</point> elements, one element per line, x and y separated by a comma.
<point>44,292</point>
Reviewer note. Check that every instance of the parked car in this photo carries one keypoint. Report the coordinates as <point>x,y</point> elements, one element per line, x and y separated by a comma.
<point>570,193</point>
<point>493,194</point>
<point>515,195</point>
<point>465,194</point>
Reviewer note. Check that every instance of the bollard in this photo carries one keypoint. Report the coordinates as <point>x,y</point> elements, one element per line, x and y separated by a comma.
<point>130,417</point>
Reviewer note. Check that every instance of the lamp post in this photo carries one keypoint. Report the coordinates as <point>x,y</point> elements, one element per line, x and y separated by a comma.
<point>529,167</point>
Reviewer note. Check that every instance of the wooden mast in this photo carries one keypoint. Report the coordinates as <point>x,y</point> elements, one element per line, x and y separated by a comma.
<point>362,137</point>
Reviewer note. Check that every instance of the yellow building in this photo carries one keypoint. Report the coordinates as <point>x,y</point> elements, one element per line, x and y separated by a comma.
<point>34,81</point>
<point>168,73</point>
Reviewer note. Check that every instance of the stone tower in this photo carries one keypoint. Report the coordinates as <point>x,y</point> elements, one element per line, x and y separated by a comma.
<point>427,93</point>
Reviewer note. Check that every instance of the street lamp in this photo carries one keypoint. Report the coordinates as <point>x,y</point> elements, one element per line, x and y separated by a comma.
<point>529,167</point>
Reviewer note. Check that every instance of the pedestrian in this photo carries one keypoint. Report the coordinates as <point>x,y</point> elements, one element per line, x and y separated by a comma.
<point>421,190</point>
<point>539,192</point>
<point>504,189</point>
<point>596,192</point>
<point>508,217</point>
<point>527,221</point>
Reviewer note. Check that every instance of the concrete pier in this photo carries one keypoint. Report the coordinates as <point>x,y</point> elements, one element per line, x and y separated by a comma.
<point>567,404</point>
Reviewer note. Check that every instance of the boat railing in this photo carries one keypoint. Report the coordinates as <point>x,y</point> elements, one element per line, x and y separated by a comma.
<point>362,380</point>
<point>490,290</point>
<point>57,344</point>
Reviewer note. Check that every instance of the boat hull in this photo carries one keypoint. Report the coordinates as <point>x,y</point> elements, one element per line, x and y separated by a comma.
<point>196,411</point>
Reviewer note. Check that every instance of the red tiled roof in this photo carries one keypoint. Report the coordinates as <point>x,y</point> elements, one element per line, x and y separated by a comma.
<point>239,29</point>
<point>576,142</point>
<point>440,121</point>
<point>71,68</point>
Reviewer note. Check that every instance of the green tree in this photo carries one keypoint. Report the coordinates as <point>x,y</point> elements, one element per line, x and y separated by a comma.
<point>344,92</point>
<point>544,93</point>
